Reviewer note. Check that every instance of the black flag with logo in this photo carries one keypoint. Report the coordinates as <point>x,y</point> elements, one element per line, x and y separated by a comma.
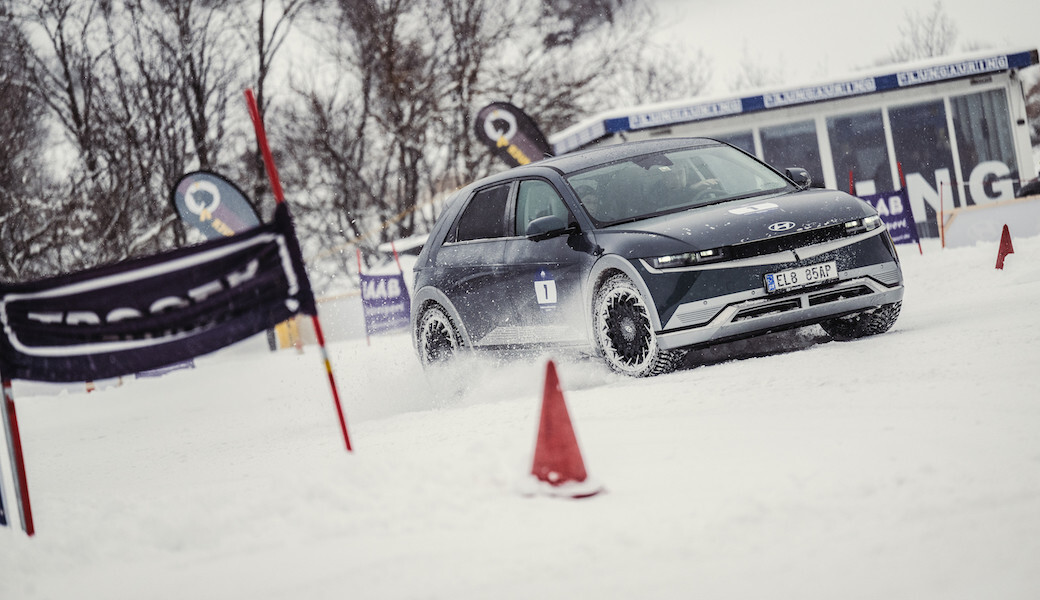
<point>213,205</point>
<point>511,134</point>
<point>154,311</point>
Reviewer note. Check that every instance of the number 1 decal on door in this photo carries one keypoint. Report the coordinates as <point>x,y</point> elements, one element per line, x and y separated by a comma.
<point>545,290</point>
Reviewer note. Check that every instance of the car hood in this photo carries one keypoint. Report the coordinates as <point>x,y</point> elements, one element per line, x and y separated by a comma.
<point>736,222</point>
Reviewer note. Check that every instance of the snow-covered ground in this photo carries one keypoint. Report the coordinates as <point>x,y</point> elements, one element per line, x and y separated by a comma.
<point>901,466</point>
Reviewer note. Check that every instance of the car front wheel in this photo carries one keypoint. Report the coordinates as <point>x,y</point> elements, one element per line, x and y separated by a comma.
<point>624,333</point>
<point>870,322</point>
<point>438,339</point>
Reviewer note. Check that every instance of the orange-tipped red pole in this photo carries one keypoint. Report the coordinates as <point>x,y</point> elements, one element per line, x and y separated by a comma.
<point>276,189</point>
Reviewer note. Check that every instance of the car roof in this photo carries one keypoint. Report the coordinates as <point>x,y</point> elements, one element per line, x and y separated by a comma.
<point>577,161</point>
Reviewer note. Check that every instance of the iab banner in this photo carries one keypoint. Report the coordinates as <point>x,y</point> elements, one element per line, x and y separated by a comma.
<point>386,303</point>
<point>895,213</point>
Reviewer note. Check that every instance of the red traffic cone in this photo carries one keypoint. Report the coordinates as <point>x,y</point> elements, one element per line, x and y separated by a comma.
<point>557,459</point>
<point>1005,247</point>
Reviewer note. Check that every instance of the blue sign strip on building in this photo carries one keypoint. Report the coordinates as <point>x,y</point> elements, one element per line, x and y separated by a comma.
<point>801,95</point>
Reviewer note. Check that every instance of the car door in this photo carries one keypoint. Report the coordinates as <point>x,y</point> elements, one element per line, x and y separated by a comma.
<point>470,264</point>
<point>544,275</point>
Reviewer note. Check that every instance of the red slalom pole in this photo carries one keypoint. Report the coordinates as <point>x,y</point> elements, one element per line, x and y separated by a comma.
<point>942,218</point>
<point>261,138</point>
<point>332,381</point>
<point>397,258</point>
<point>276,188</point>
<point>14,447</point>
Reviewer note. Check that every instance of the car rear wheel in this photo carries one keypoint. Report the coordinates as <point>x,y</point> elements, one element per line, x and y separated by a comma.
<point>870,322</point>
<point>624,332</point>
<point>438,339</point>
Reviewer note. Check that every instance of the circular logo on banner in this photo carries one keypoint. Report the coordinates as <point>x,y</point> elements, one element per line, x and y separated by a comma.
<point>213,205</point>
<point>496,119</point>
<point>202,196</point>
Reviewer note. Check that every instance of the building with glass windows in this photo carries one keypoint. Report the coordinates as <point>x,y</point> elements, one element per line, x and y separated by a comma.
<point>955,128</point>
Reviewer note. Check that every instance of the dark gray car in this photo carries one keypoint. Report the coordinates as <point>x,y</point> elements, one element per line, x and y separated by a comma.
<point>641,251</point>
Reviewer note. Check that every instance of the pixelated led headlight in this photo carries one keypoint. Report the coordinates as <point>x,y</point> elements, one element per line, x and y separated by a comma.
<point>686,259</point>
<point>861,225</point>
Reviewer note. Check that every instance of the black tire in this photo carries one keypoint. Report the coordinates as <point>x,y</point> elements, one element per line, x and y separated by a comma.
<point>862,324</point>
<point>437,337</point>
<point>624,333</point>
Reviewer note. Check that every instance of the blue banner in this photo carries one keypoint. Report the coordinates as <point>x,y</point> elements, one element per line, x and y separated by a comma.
<point>188,364</point>
<point>155,311</point>
<point>386,303</point>
<point>894,209</point>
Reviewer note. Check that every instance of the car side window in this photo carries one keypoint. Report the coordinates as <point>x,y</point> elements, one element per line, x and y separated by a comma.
<point>535,199</point>
<point>485,215</point>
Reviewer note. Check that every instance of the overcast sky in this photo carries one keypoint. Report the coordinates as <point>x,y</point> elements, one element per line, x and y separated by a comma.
<point>819,39</point>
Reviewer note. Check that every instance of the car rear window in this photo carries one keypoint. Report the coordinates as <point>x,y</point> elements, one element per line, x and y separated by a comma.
<point>484,216</point>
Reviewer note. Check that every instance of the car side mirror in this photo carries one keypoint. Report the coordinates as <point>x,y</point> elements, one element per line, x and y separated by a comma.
<point>799,176</point>
<point>546,227</point>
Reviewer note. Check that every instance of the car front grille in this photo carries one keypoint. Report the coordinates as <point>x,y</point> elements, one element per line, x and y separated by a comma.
<point>784,243</point>
<point>836,295</point>
<point>772,308</point>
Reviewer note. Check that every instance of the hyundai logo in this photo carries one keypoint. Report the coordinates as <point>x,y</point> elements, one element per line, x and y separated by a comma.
<point>781,226</point>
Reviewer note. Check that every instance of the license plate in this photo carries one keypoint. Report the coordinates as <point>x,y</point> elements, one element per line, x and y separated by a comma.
<point>801,277</point>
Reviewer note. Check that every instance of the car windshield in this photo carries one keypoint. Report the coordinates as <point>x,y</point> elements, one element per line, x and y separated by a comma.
<point>654,184</point>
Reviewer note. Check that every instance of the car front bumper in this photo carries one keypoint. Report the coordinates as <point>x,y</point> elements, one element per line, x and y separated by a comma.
<point>750,313</point>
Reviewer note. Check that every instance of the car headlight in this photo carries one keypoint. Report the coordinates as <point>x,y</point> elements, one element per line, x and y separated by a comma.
<point>865,224</point>
<point>686,259</point>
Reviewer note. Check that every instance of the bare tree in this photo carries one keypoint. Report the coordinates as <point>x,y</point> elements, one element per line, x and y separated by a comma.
<point>612,64</point>
<point>66,70</point>
<point>327,147</point>
<point>394,128</point>
<point>755,73</point>
<point>330,138</point>
<point>268,26</point>
<point>473,33</point>
<point>380,124</point>
<point>140,88</point>
<point>654,74</point>
<point>271,29</point>
<point>925,35</point>
<point>68,74</point>
<point>374,123</point>
<point>20,138</point>
<point>564,22</point>
<point>28,214</point>
<point>196,39</point>
<point>405,75</point>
